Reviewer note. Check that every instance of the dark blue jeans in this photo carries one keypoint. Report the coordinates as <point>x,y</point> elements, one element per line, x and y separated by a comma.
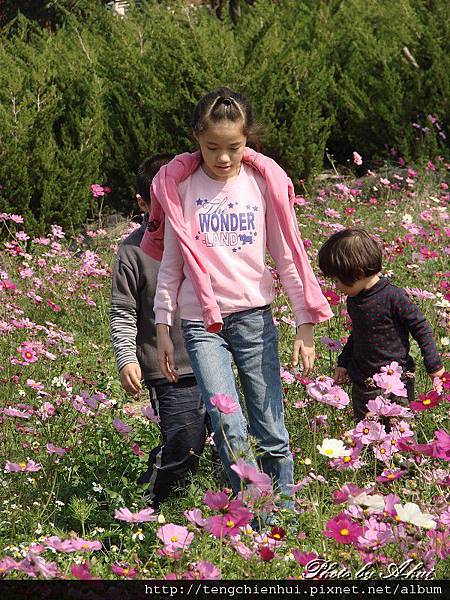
<point>183,427</point>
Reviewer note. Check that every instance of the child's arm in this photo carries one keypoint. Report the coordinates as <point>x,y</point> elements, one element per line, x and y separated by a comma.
<point>420,329</point>
<point>123,325</point>
<point>170,276</point>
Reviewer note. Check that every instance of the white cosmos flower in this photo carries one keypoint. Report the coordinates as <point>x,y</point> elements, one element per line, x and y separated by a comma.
<point>411,513</point>
<point>332,448</point>
<point>376,501</point>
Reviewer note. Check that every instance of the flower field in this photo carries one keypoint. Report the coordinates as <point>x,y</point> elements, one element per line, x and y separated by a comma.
<point>73,444</point>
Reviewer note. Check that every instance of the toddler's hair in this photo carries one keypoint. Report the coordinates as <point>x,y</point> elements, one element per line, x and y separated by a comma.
<point>225,104</point>
<point>349,255</point>
<point>147,170</point>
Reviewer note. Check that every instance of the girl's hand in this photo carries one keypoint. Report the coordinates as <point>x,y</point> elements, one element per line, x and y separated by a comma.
<point>130,378</point>
<point>304,344</point>
<point>166,353</point>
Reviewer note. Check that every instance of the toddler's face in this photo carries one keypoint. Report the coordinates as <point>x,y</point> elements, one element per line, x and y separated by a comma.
<point>222,146</point>
<point>357,287</point>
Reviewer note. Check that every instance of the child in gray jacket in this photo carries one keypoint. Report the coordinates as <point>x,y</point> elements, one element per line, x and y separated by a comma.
<point>179,405</point>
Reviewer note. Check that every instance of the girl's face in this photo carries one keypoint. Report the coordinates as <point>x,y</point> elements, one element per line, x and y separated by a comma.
<point>222,146</point>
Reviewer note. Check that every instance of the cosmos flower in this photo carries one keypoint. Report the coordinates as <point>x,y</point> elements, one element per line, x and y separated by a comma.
<point>411,513</point>
<point>342,529</point>
<point>332,448</point>
<point>175,537</point>
<point>225,403</point>
<point>124,514</point>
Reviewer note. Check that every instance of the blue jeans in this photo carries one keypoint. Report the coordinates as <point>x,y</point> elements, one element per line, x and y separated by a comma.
<point>251,339</point>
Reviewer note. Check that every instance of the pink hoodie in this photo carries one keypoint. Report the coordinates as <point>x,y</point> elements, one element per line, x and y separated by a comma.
<point>166,201</point>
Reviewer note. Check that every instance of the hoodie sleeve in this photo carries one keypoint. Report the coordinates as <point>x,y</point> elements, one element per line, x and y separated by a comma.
<point>284,262</point>
<point>170,277</point>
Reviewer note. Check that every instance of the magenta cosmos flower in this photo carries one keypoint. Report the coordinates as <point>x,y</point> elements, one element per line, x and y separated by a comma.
<point>124,514</point>
<point>426,401</point>
<point>124,570</point>
<point>225,403</point>
<point>342,529</point>
<point>175,537</point>
<point>389,475</point>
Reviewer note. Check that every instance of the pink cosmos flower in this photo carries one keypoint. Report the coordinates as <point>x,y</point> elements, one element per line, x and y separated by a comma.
<point>332,345</point>
<point>216,500</point>
<point>368,432</point>
<point>97,190</point>
<point>385,450</point>
<point>82,572</point>
<point>124,570</point>
<point>376,534</point>
<point>357,159</point>
<point>383,407</point>
<point>10,411</point>
<point>121,427</point>
<point>46,411</point>
<point>7,564</point>
<point>438,448</point>
<point>426,401</point>
<point>251,474</point>
<point>28,354</point>
<point>195,516</point>
<point>146,514</point>
<point>391,384</point>
<point>35,385</point>
<point>28,467</point>
<point>34,565</point>
<point>79,544</point>
<point>392,369</point>
<point>202,570</point>
<point>150,414</point>
<point>347,491</point>
<point>342,529</point>
<point>229,524</point>
<point>225,403</point>
<point>52,449</point>
<point>175,537</point>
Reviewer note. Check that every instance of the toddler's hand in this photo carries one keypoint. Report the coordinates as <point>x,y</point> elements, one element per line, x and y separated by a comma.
<point>130,378</point>
<point>341,375</point>
<point>166,353</point>
<point>304,344</point>
<point>438,373</point>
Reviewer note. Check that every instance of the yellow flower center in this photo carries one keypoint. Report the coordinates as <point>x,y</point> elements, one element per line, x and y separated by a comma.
<point>85,546</point>
<point>230,523</point>
<point>391,476</point>
<point>174,538</point>
<point>397,518</point>
<point>344,531</point>
<point>427,402</point>
<point>126,571</point>
<point>329,452</point>
<point>365,430</point>
<point>22,465</point>
<point>382,450</point>
<point>347,459</point>
<point>276,536</point>
<point>390,372</point>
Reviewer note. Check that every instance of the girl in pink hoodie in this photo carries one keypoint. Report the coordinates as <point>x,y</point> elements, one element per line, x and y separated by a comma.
<point>224,207</point>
